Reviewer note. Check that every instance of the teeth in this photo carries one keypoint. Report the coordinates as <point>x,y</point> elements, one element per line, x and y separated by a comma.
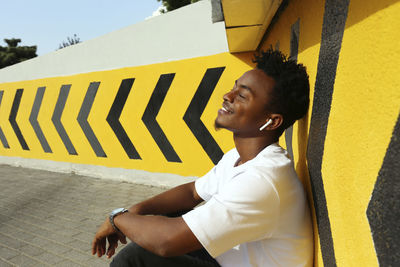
<point>224,109</point>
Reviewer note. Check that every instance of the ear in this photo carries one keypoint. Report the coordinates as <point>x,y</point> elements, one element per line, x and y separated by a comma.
<point>277,120</point>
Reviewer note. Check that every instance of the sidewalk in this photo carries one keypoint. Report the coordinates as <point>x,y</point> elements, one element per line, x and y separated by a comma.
<point>49,219</point>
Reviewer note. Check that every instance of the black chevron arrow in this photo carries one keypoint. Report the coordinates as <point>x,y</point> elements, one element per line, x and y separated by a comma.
<point>115,113</point>
<point>333,26</point>
<point>383,209</point>
<point>82,119</point>
<point>294,50</point>
<point>2,136</point>
<point>56,119</point>
<point>150,114</point>
<point>13,116</point>
<point>196,108</point>
<point>33,119</point>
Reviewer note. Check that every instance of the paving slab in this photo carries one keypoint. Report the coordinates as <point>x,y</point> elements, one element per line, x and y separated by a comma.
<point>49,218</point>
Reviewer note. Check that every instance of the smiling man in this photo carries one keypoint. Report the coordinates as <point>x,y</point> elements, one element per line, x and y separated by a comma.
<point>255,211</point>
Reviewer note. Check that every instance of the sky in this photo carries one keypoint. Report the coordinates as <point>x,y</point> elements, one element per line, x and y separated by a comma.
<point>47,23</point>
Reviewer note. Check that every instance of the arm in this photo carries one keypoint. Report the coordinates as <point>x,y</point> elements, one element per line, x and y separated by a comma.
<point>180,198</point>
<point>161,235</point>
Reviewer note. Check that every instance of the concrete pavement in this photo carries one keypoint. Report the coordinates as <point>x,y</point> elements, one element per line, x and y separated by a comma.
<point>49,219</point>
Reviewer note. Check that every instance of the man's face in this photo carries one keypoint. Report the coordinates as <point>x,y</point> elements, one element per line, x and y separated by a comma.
<point>244,108</point>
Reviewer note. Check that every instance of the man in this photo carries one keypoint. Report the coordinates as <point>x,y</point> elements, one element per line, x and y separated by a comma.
<point>256,213</point>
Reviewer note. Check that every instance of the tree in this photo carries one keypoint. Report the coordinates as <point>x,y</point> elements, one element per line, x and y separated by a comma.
<point>175,4</point>
<point>70,41</point>
<point>12,53</point>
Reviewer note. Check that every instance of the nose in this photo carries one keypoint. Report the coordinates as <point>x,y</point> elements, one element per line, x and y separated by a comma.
<point>229,96</point>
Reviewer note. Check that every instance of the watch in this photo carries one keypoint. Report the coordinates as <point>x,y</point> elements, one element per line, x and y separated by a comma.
<point>115,213</point>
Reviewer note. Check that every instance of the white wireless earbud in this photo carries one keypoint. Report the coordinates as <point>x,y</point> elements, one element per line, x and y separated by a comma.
<point>266,125</point>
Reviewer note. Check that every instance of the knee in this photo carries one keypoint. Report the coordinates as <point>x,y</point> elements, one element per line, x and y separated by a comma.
<point>128,256</point>
<point>119,260</point>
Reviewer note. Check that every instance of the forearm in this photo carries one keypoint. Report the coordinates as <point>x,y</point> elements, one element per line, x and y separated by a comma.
<point>180,198</point>
<point>161,235</point>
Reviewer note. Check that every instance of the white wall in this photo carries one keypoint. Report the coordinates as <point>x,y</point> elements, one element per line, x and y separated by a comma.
<point>187,32</point>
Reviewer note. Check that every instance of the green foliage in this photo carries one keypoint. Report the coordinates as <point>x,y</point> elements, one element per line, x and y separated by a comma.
<point>70,41</point>
<point>12,53</point>
<point>175,4</point>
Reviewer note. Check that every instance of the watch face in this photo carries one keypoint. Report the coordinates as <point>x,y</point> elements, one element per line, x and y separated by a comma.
<point>116,211</point>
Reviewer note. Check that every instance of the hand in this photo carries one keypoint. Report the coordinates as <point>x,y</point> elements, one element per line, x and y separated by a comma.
<point>106,231</point>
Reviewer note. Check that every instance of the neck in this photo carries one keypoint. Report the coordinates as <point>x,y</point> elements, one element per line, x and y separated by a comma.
<point>249,147</point>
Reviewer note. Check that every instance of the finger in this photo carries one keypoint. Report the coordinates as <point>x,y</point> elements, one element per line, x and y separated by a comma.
<point>101,247</point>
<point>113,244</point>
<point>110,251</point>
<point>122,239</point>
<point>98,250</point>
<point>94,247</point>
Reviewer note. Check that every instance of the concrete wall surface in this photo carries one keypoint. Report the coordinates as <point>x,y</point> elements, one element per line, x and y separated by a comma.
<point>347,150</point>
<point>152,113</point>
<point>155,70</point>
<point>157,118</point>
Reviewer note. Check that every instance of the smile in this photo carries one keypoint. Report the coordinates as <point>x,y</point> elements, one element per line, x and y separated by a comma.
<point>226,109</point>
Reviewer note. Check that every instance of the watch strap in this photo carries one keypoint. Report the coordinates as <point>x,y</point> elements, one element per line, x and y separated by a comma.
<point>113,214</point>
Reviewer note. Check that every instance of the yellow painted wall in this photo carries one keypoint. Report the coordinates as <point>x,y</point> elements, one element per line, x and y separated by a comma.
<point>361,116</point>
<point>363,113</point>
<point>188,75</point>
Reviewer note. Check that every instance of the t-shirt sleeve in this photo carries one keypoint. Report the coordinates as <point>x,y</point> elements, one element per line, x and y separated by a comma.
<point>245,210</point>
<point>207,185</point>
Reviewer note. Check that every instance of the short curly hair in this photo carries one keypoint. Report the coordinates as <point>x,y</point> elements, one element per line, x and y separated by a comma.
<point>292,88</point>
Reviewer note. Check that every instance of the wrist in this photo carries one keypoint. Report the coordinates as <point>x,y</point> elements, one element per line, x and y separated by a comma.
<point>114,214</point>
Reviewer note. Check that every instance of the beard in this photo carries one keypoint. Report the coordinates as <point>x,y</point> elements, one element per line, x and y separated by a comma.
<point>217,126</point>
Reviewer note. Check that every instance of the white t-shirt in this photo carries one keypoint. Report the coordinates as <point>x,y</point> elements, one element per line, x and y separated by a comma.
<point>256,214</point>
